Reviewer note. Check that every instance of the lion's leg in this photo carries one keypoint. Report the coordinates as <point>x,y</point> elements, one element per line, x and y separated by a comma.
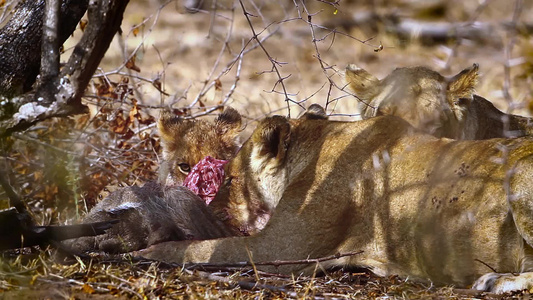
<point>289,235</point>
<point>520,201</point>
<point>504,282</point>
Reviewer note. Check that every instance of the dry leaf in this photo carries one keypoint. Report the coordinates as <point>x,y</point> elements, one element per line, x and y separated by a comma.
<point>87,289</point>
<point>157,84</point>
<point>134,112</point>
<point>135,31</point>
<point>130,64</point>
<point>83,24</point>
<point>38,175</point>
<point>218,85</point>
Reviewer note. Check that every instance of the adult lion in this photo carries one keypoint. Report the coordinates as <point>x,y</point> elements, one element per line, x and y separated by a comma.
<point>441,106</point>
<point>418,206</point>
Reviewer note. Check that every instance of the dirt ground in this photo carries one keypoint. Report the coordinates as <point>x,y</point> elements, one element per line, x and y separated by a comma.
<point>209,58</point>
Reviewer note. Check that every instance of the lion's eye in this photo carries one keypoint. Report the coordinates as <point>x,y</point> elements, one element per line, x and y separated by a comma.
<point>228,180</point>
<point>461,101</point>
<point>184,168</point>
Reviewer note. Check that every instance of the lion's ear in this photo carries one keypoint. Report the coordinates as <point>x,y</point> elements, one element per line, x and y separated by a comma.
<point>314,112</point>
<point>169,126</point>
<point>229,122</point>
<point>360,81</point>
<point>462,85</point>
<point>271,139</point>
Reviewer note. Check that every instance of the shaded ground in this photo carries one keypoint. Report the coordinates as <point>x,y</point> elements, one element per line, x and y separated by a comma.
<point>145,280</point>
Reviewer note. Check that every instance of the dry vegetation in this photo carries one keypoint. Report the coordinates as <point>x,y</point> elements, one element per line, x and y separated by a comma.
<point>276,57</point>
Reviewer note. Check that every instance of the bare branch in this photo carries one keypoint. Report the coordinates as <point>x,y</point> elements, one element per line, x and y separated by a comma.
<point>50,43</point>
<point>49,52</point>
<point>277,263</point>
<point>20,62</point>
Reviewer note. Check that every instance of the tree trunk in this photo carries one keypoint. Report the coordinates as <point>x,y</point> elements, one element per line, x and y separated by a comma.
<point>20,42</point>
<point>19,113</point>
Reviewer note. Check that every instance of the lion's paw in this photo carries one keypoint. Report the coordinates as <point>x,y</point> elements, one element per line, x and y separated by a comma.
<point>504,282</point>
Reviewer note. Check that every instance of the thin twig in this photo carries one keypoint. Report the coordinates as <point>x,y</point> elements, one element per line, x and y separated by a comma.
<point>210,81</point>
<point>276,263</point>
<point>486,265</point>
<point>234,85</point>
<point>511,37</point>
<point>274,63</point>
<point>324,66</point>
<point>10,192</point>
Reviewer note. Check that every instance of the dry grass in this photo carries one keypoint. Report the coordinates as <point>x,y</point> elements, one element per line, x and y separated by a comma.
<point>37,276</point>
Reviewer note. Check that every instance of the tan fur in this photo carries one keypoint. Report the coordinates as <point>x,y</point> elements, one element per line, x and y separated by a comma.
<point>249,215</point>
<point>425,208</point>
<point>186,142</point>
<point>444,107</point>
<point>313,112</point>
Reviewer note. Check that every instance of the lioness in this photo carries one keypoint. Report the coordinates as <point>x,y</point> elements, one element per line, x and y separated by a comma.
<point>249,215</point>
<point>444,107</point>
<point>418,206</point>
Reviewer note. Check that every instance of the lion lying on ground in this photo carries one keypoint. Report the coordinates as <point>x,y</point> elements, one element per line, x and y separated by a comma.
<point>444,107</point>
<point>425,208</point>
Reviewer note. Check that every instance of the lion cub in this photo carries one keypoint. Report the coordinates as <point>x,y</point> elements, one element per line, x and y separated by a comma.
<point>441,106</point>
<point>165,210</point>
<point>186,142</point>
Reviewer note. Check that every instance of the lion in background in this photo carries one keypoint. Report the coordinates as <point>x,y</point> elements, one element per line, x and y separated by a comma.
<point>441,106</point>
<point>417,206</point>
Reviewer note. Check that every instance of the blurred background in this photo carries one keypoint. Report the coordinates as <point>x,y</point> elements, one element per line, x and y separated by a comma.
<point>198,56</point>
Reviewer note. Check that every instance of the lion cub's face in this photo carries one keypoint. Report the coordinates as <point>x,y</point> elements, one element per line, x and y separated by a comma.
<point>423,97</point>
<point>186,142</point>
